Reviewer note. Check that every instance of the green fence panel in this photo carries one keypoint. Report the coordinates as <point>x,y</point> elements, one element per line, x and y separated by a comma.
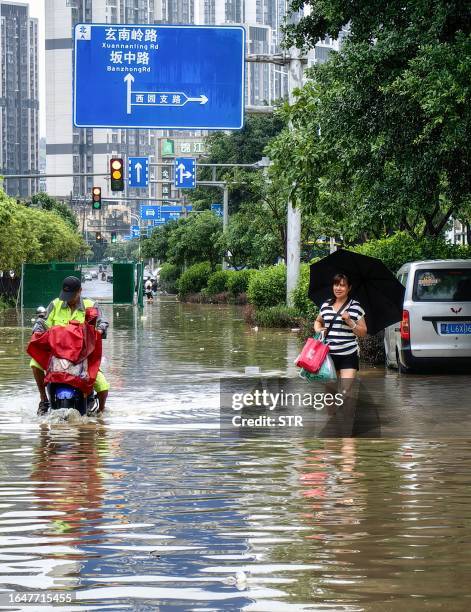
<point>43,282</point>
<point>140,284</point>
<point>123,283</point>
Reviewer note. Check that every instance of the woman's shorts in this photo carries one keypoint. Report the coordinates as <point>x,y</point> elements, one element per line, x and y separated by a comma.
<point>101,384</point>
<point>346,362</point>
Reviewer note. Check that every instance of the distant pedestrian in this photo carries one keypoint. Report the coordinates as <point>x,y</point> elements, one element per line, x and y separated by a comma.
<point>148,291</point>
<point>348,323</point>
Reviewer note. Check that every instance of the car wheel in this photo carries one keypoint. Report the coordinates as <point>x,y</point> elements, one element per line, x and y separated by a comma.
<point>402,369</point>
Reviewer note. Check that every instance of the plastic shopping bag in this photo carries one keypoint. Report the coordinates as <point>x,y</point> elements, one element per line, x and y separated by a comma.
<point>312,356</point>
<point>326,371</point>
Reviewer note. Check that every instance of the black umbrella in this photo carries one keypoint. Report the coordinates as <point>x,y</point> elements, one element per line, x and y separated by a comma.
<point>373,285</point>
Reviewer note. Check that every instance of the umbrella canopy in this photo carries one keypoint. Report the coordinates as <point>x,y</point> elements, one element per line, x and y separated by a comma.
<point>373,285</point>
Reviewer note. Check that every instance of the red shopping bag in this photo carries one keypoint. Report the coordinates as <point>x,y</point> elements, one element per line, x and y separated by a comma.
<point>312,356</point>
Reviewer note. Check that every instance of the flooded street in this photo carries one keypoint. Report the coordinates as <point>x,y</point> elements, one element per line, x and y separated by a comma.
<point>151,509</point>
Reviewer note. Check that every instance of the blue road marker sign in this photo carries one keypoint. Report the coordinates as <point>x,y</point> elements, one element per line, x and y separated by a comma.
<point>138,171</point>
<point>126,238</point>
<point>185,172</point>
<point>150,212</point>
<point>135,231</point>
<point>159,76</point>
<point>217,209</point>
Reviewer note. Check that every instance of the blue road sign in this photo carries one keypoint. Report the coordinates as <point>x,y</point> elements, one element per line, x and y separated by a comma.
<point>150,212</point>
<point>185,172</point>
<point>126,238</point>
<point>135,231</point>
<point>159,76</point>
<point>217,209</point>
<point>138,171</point>
<point>168,208</point>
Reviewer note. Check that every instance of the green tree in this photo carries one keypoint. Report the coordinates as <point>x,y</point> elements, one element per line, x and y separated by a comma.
<point>188,240</point>
<point>46,202</point>
<point>157,245</point>
<point>381,132</point>
<point>196,238</point>
<point>256,235</point>
<point>29,235</point>
<point>245,146</point>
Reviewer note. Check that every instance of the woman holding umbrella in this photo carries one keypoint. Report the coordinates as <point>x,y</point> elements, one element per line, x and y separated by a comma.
<point>342,319</point>
<point>373,299</point>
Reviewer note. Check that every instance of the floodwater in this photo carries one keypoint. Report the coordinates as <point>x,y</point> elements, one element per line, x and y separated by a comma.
<point>150,509</point>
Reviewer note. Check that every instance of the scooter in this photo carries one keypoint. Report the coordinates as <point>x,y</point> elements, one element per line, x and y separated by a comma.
<point>64,396</point>
<point>67,397</point>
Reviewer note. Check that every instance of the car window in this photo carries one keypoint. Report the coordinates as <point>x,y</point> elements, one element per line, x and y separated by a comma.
<point>402,278</point>
<point>442,285</point>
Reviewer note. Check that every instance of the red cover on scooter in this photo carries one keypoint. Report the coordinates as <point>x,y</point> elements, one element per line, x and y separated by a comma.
<point>77,343</point>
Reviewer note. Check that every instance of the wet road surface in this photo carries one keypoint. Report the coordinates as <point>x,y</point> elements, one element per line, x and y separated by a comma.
<point>151,510</point>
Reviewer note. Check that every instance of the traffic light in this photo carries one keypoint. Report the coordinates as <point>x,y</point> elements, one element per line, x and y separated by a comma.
<point>116,171</point>
<point>98,236</point>
<point>96,198</point>
<point>113,236</point>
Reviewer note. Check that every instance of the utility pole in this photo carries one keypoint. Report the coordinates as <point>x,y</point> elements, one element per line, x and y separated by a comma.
<point>295,62</point>
<point>293,232</point>
<point>225,217</point>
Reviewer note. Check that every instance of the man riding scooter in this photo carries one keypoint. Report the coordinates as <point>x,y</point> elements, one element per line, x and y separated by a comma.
<point>69,306</point>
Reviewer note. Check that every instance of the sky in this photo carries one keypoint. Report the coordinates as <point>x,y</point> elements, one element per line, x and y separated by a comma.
<point>37,10</point>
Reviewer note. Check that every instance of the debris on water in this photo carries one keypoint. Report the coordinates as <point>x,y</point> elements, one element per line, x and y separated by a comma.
<point>239,580</point>
<point>295,329</point>
<point>255,329</point>
<point>201,348</point>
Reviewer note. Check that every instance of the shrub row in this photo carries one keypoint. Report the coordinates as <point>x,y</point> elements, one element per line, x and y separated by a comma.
<point>201,278</point>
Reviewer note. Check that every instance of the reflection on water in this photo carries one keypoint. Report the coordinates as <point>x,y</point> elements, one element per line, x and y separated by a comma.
<point>152,510</point>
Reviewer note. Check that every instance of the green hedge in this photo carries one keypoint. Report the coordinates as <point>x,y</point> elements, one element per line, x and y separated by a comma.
<point>168,277</point>
<point>401,248</point>
<point>238,280</point>
<point>267,287</point>
<point>301,301</point>
<point>194,278</point>
<point>277,316</point>
<point>217,282</point>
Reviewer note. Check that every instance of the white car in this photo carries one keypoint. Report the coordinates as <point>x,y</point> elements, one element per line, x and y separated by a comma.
<point>88,276</point>
<point>436,320</point>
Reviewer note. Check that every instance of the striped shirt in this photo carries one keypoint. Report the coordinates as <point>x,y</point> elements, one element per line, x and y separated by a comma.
<point>341,339</point>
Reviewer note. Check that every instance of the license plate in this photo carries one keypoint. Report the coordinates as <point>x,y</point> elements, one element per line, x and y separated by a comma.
<point>455,328</point>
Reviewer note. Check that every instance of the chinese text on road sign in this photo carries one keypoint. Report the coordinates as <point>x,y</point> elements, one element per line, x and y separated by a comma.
<point>159,76</point>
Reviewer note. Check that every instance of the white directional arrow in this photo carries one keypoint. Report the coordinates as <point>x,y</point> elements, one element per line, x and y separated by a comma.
<point>202,99</point>
<point>138,167</point>
<point>128,79</point>
<point>183,173</point>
